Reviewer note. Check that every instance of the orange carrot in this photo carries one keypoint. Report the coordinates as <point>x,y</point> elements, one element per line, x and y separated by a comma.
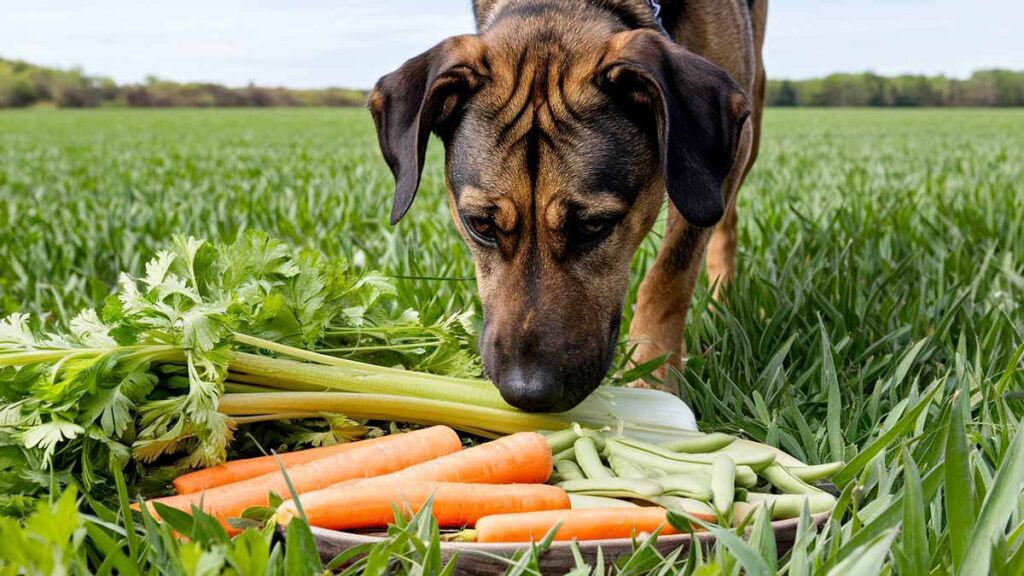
<point>238,470</point>
<point>524,457</point>
<point>369,504</point>
<point>365,459</point>
<point>583,524</point>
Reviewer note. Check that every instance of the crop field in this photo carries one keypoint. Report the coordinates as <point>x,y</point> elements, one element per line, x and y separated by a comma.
<point>877,316</point>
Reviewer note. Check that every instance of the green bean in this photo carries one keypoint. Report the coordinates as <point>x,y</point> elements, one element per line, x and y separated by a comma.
<point>594,435</point>
<point>745,477</point>
<point>681,504</point>
<point>781,457</point>
<point>561,440</point>
<point>746,457</point>
<point>816,472</point>
<point>569,470</point>
<point>568,454</point>
<point>623,468</point>
<point>777,476</point>
<point>589,460</point>
<point>790,505</point>
<point>586,501</point>
<point>701,443</point>
<point>723,483</point>
<point>756,460</point>
<point>646,460</point>
<point>614,487</point>
<point>690,486</point>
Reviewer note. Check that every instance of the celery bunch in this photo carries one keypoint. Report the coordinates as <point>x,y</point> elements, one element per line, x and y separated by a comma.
<point>143,376</point>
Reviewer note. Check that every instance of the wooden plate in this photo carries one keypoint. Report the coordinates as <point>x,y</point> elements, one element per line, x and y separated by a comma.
<point>478,558</point>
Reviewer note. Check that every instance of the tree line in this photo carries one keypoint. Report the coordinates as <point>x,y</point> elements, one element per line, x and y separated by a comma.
<point>23,84</point>
<point>983,88</point>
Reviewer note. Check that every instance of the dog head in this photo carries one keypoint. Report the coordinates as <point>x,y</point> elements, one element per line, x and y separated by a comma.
<point>560,144</point>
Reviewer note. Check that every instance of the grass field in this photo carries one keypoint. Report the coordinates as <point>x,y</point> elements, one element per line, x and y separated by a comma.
<point>878,315</point>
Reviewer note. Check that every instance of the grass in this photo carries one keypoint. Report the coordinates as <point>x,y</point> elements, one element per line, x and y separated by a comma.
<point>878,315</point>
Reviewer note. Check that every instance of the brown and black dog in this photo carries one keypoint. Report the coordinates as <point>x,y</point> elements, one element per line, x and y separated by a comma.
<point>565,122</point>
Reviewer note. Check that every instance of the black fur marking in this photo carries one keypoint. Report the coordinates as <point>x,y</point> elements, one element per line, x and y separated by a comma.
<point>512,95</point>
<point>687,249</point>
<point>507,128</point>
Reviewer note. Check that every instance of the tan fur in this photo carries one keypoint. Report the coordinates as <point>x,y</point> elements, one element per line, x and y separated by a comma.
<point>564,138</point>
<point>714,29</point>
<point>721,32</point>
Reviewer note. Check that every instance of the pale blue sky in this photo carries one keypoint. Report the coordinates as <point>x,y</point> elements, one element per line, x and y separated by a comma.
<point>313,43</point>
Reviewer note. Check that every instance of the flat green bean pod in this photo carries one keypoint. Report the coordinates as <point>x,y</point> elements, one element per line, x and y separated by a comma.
<point>787,483</point>
<point>561,440</point>
<point>691,486</point>
<point>754,459</point>
<point>613,487</point>
<point>579,501</point>
<point>701,443</point>
<point>723,483</point>
<point>569,470</point>
<point>815,472</point>
<point>789,505</point>
<point>589,460</point>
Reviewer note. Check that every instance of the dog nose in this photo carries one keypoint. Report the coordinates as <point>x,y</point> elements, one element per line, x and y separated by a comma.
<point>530,387</point>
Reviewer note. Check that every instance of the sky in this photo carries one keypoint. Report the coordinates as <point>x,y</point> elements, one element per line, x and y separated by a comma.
<point>317,43</point>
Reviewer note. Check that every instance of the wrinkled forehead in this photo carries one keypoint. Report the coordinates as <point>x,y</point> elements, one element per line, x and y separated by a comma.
<point>541,128</point>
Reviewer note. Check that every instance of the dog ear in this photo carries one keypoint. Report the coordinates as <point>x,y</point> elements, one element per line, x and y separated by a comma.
<point>417,98</point>
<point>699,111</point>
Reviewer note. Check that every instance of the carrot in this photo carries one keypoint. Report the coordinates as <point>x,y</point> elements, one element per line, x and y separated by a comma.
<point>365,459</point>
<point>369,504</point>
<point>585,524</point>
<point>238,470</point>
<point>524,457</point>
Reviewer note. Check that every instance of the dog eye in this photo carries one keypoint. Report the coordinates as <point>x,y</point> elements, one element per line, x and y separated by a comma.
<point>595,229</point>
<point>481,229</point>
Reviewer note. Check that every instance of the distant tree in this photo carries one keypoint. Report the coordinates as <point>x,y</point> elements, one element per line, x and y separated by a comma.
<point>787,95</point>
<point>23,84</point>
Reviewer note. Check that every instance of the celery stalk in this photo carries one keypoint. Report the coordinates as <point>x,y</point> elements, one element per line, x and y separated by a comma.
<point>390,407</point>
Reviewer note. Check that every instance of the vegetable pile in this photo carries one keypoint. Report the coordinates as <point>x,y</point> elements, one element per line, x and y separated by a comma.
<point>572,484</point>
<point>214,337</point>
<point>253,334</point>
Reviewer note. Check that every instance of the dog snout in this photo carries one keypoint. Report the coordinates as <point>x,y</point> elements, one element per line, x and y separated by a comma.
<point>540,374</point>
<point>531,387</point>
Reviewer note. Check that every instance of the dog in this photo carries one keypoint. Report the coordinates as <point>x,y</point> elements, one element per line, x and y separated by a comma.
<point>565,125</point>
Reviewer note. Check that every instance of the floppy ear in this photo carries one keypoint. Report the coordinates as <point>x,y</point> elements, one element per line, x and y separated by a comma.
<point>414,100</point>
<point>699,111</point>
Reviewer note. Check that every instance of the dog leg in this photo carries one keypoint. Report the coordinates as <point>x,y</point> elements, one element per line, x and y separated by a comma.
<point>721,259</point>
<point>659,324</point>
<point>664,298</point>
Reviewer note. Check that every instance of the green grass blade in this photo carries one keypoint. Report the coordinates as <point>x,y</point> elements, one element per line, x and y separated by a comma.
<point>300,553</point>
<point>748,557</point>
<point>996,510</point>
<point>959,486</point>
<point>126,515</point>
<point>915,530</point>
<point>891,516</point>
<point>866,560</point>
<point>833,418</point>
<point>858,462</point>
